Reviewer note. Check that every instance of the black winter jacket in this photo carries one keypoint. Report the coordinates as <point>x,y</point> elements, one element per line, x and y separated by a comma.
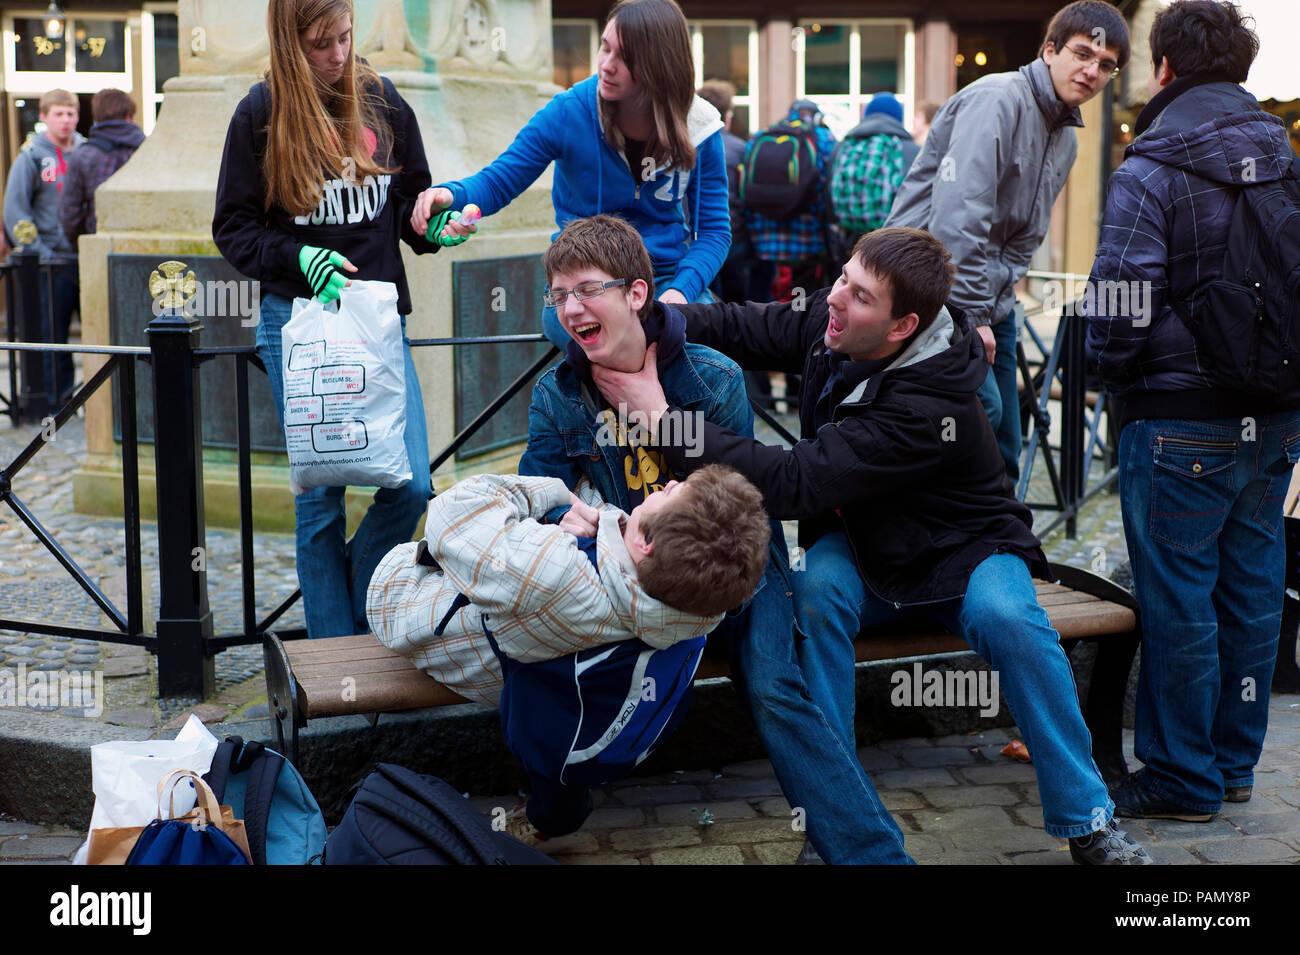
<point>363,221</point>
<point>908,466</point>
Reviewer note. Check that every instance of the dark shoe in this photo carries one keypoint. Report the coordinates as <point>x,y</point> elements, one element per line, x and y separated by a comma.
<point>1236,793</point>
<point>1108,846</point>
<point>808,855</point>
<point>1134,801</point>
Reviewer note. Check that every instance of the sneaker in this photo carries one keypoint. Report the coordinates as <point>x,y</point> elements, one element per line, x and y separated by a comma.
<point>1108,846</point>
<point>519,826</point>
<point>1236,793</point>
<point>1134,801</point>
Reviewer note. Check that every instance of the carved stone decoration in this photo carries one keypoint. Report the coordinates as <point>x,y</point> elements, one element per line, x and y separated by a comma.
<point>527,26</point>
<point>503,36</point>
<point>222,36</point>
<point>389,45</point>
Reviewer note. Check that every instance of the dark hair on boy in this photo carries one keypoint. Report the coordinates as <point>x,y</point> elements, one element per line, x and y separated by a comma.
<point>1101,23</point>
<point>915,265</point>
<point>111,104</point>
<point>1202,36</point>
<point>719,94</point>
<point>607,243</point>
<point>710,543</point>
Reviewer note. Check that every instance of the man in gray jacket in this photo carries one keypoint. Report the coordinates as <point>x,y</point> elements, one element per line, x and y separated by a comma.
<point>996,158</point>
<point>32,195</point>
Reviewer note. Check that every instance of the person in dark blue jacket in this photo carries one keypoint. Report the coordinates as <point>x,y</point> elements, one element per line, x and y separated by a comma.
<point>633,140</point>
<point>1203,468</point>
<point>321,108</point>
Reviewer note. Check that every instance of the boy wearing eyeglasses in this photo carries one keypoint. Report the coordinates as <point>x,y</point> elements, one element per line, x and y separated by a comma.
<point>992,166</point>
<point>601,284</point>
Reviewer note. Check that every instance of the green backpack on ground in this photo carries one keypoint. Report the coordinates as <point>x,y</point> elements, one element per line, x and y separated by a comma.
<point>866,175</point>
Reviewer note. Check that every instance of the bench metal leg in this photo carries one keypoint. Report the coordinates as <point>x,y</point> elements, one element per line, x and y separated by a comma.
<point>281,696</point>
<point>1104,712</point>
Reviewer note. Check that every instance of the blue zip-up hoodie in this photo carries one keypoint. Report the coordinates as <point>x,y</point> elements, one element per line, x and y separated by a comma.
<point>681,213</point>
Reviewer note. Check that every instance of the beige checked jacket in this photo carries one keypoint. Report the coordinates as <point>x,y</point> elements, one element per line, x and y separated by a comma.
<point>529,582</point>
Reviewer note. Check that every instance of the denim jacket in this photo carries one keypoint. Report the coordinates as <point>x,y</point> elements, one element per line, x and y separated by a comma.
<point>563,421</point>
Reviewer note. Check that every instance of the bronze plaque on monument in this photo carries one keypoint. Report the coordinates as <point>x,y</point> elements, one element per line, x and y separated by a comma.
<point>495,297</point>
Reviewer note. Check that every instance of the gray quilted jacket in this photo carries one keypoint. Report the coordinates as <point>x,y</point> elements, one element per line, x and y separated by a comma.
<point>996,158</point>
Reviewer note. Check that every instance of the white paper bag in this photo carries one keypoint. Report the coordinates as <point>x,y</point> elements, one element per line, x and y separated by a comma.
<point>125,773</point>
<point>345,390</point>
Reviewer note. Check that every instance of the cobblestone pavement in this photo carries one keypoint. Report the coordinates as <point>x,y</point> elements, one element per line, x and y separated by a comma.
<point>957,800</point>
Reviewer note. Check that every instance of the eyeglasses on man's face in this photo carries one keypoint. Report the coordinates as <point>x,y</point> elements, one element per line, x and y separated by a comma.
<point>1082,55</point>
<point>556,297</point>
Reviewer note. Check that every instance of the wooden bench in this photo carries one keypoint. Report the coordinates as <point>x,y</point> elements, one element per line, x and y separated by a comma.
<point>340,676</point>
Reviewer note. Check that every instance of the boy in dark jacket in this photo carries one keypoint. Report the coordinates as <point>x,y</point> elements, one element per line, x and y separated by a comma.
<point>903,502</point>
<point>1203,466</point>
<point>113,140</point>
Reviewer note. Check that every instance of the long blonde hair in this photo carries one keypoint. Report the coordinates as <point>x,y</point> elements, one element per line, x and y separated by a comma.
<point>316,132</point>
<point>656,47</point>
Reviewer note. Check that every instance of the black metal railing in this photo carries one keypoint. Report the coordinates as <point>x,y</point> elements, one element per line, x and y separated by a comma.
<point>183,640</point>
<point>184,637</point>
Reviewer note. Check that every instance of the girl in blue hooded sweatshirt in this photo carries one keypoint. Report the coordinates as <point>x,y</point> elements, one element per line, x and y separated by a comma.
<point>633,140</point>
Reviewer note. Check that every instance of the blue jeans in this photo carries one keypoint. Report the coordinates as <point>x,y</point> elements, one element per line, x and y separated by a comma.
<point>1000,394</point>
<point>818,769</point>
<point>558,336</point>
<point>1002,621</point>
<point>334,572</point>
<point>60,370</point>
<point>1202,505</point>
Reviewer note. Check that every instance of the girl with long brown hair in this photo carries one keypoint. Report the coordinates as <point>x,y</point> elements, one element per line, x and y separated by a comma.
<point>633,140</point>
<point>322,165</point>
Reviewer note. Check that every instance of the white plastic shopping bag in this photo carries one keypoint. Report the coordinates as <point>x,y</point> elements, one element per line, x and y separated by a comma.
<point>345,390</point>
<point>125,773</point>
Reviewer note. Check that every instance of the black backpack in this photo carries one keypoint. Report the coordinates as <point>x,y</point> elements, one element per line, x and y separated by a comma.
<point>1246,323</point>
<point>400,817</point>
<point>780,178</point>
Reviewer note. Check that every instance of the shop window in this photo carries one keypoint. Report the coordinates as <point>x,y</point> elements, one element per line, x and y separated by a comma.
<point>728,50</point>
<point>841,64</point>
<point>574,44</point>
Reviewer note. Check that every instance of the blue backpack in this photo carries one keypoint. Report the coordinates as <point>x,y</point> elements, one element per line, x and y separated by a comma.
<point>592,717</point>
<point>283,823</point>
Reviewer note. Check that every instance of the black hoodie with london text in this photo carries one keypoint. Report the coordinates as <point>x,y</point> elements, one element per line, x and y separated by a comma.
<point>361,220</point>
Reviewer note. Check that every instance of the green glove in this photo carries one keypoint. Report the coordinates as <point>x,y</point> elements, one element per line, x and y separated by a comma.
<point>321,269</point>
<point>436,225</point>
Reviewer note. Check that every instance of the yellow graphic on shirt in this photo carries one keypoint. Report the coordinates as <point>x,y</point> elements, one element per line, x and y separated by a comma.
<point>643,469</point>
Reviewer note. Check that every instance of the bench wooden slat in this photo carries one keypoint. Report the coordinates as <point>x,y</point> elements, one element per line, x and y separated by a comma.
<point>385,681</point>
<point>402,689</point>
<point>1091,620</point>
<point>1068,597</point>
<point>338,669</point>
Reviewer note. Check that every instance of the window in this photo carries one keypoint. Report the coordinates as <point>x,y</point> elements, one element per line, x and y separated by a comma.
<point>575,43</point>
<point>728,50</point>
<point>88,54</point>
<point>159,37</point>
<point>841,64</point>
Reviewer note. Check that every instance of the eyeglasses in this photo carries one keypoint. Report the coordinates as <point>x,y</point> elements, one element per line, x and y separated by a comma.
<point>1108,67</point>
<point>555,297</point>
